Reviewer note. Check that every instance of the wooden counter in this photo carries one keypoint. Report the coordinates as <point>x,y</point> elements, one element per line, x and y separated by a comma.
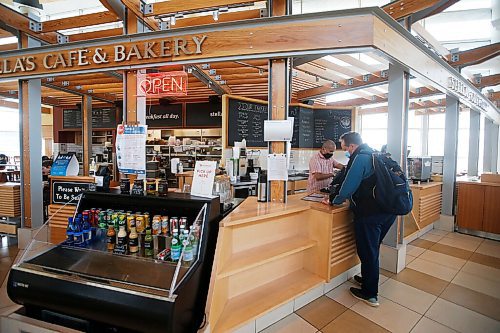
<point>427,201</point>
<point>478,205</point>
<point>269,254</point>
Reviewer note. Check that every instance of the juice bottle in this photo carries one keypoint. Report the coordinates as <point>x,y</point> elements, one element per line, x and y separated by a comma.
<point>121,238</point>
<point>133,240</point>
<point>148,243</point>
<point>111,237</point>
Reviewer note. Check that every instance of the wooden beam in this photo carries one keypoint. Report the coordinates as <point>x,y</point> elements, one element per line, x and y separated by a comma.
<point>337,68</point>
<point>423,33</point>
<point>215,85</point>
<point>374,70</point>
<point>401,8</point>
<point>4,34</point>
<point>7,47</point>
<point>475,56</point>
<point>487,81</point>
<point>113,10</point>
<point>79,21</point>
<point>175,6</point>
<point>329,89</point>
<point>223,17</point>
<point>20,22</point>
<point>96,34</point>
<point>15,105</point>
<point>494,96</point>
<point>134,7</point>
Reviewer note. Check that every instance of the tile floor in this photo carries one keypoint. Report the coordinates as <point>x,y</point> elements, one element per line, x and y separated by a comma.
<point>451,284</point>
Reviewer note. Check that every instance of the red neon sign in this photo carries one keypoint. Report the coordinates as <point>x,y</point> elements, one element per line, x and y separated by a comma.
<point>162,84</point>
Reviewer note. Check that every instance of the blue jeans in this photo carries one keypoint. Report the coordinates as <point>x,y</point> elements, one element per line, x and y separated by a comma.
<point>370,231</point>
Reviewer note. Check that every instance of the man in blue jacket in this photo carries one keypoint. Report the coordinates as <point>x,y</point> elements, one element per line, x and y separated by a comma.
<point>371,223</point>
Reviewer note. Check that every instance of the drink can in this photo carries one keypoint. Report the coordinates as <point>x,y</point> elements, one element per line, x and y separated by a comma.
<point>164,225</point>
<point>183,222</point>
<point>156,225</point>
<point>92,217</point>
<point>102,221</point>
<point>139,223</point>
<point>174,223</point>
<point>130,222</point>
<point>147,223</point>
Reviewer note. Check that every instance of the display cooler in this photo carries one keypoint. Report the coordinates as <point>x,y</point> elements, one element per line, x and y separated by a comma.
<point>95,290</point>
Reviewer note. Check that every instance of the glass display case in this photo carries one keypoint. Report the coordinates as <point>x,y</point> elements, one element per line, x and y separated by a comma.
<point>98,280</point>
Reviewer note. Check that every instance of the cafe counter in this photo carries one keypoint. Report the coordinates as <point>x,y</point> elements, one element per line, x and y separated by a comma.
<point>268,254</point>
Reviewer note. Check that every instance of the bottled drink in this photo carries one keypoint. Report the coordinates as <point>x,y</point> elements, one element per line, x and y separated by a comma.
<point>164,225</point>
<point>188,248</point>
<point>121,238</point>
<point>175,247</point>
<point>148,243</point>
<point>195,241</point>
<point>69,232</point>
<point>77,231</point>
<point>140,225</point>
<point>133,240</point>
<point>102,220</point>
<point>86,229</point>
<point>111,237</point>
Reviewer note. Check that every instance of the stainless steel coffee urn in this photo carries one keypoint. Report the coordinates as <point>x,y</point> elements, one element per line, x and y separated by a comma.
<point>262,187</point>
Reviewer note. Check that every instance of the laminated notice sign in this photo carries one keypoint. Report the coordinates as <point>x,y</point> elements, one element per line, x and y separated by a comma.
<point>131,149</point>
<point>203,179</point>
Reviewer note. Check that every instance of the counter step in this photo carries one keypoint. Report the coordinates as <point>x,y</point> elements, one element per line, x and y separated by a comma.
<point>251,305</point>
<point>261,255</point>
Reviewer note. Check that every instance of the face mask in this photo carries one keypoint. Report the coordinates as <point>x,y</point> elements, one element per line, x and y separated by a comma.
<point>347,154</point>
<point>327,155</point>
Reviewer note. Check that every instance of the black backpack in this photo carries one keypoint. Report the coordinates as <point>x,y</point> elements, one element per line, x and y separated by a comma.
<point>392,191</point>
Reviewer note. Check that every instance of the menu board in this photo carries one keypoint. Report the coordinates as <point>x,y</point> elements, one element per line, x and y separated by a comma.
<point>104,118</point>
<point>204,115</point>
<point>246,121</point>
<point>164,116</point>
<point>330,125</point>
<point>101,118</point>
<point>303,126</point>
<point>72,118</point>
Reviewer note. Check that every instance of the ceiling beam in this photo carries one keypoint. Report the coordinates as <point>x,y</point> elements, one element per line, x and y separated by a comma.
<point>96,34</point>
<point>223,17</point>
<point>486,81</point>
<point>7,47</point>
<point>134,6</point>
<point>4,34</point>
<point>79,21</point>
<point>14,105</point>
<point>203,76</point>
<point>423,33</point>
<point>115,7</point>
<point>418,9</point>
<point>17,21</point>
<point>474,56</point>
<point>102,97</point>
<point>176,6</point>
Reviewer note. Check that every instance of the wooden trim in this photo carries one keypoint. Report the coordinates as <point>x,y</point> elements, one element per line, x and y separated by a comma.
<point>79,21</point>
<point>175,6</point>
<point>403,8</point>
<point>8,47</point>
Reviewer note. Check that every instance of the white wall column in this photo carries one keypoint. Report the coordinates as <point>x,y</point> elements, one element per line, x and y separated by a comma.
<point>474,128</point>
<point>450,154</point>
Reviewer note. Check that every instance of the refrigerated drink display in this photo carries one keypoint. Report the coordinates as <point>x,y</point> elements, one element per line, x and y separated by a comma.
<point>154,282</point>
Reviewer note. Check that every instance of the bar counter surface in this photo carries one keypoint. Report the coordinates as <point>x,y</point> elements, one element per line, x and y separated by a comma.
<point>269,254</point>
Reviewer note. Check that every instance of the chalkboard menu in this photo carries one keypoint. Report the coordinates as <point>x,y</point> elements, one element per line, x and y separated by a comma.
<point>164,115</point>
<point>330,125</point>
<point>303,126</point>
<point>246,121</point>
<point>67,192</point>
<point>203,115</point>
<point>72,118</point>
<point>104,118</point>
<point>101,118</point>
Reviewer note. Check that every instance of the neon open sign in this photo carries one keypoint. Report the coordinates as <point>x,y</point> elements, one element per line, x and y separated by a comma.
<point>162,84</point>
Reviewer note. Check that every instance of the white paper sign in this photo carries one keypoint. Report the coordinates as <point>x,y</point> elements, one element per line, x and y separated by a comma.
<point>277,167</point>
<point>131,149</point>
<point>203,180</point>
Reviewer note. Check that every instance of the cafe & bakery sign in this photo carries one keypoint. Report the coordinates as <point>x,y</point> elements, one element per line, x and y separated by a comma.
<point>104,56</point>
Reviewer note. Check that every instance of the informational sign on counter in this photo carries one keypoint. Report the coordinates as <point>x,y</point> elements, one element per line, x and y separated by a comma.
<point>131,149</point>
<point>203,178</point>
<point>65,165</point>
<point>68,192</point>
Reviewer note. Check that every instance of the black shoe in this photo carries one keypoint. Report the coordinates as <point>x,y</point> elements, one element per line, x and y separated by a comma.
<point>358,279</point>
<point>357,293</point>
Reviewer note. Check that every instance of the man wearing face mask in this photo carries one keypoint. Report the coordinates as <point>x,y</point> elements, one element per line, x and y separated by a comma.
<point>321,167</point>
<point>371,223</point>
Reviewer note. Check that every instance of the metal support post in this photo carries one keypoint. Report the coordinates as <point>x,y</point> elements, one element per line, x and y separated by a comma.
<point>488,143</point>
<point>474,128</point>
<point>450,154</point>
<point>494,148</point>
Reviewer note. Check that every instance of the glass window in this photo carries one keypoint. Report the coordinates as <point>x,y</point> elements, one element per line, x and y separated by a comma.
<point>415,142</point>
<point>435,142</point>
<point>374,129</point>
<point>9,132</point>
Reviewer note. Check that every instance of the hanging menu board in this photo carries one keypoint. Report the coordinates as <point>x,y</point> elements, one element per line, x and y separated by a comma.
<point>72,118</point>
<point>330,125</point>
<point>204,115</point>
<point>303,126</point>
<point>246,121</point>
<point>104,118</point>
<point>164,116</point>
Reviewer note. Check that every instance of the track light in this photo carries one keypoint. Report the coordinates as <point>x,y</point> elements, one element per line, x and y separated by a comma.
<point>215,14</point>
<point>172,20</point>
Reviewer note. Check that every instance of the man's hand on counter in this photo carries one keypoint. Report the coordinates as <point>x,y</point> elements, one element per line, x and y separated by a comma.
<point>326,202</point>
